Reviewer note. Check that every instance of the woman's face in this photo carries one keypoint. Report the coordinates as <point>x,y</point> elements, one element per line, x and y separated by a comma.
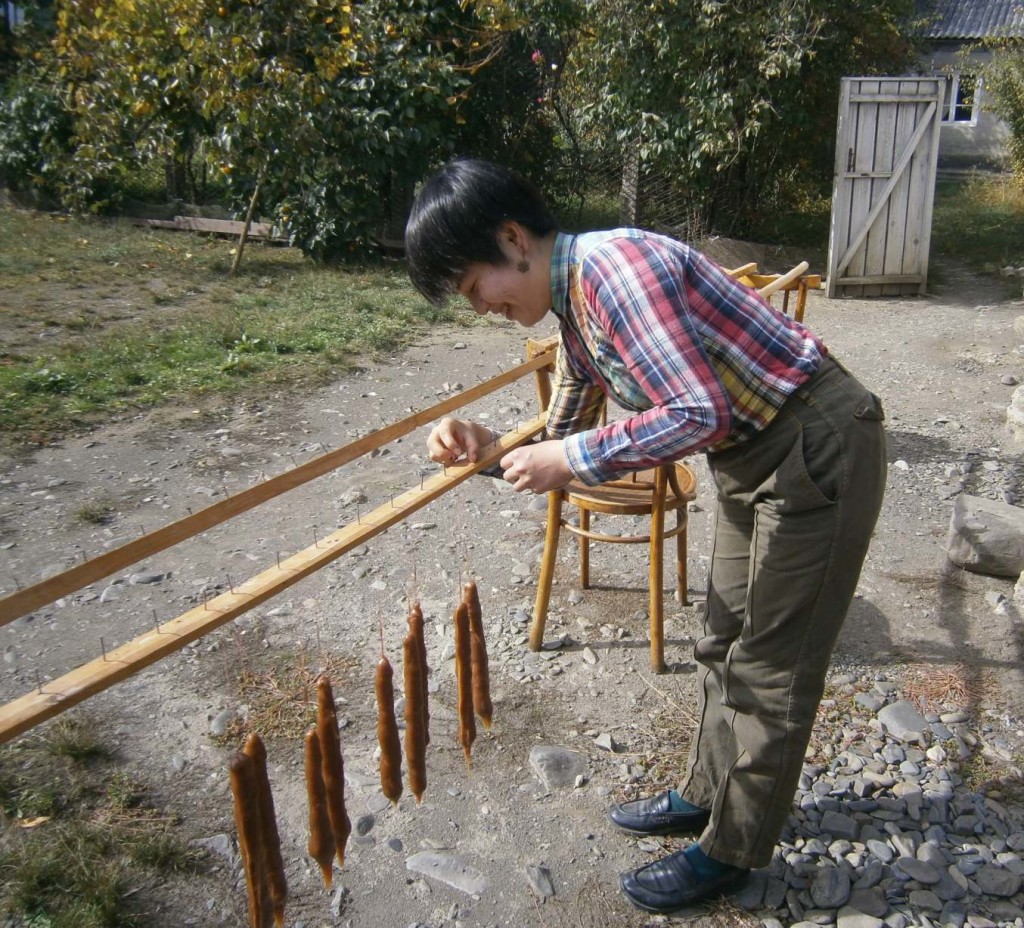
<point>504,290</point>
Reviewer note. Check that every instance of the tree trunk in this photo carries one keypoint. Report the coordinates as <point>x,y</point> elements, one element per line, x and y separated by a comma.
<point>244,237</point>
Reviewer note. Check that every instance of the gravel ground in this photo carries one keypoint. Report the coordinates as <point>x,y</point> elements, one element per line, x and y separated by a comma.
<point>947,643</point>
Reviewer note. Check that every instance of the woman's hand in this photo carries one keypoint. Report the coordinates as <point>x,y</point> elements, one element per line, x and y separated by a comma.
<point>539,468</point>
<point>454,439</point>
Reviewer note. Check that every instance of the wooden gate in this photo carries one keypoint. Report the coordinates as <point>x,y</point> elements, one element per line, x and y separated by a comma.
<point>886,150</point>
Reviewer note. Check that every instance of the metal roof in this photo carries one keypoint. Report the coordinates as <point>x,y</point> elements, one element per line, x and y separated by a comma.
<point>972,19</point>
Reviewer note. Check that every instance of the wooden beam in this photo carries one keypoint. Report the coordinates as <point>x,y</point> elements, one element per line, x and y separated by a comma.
<point>55,696</point>
<point>21,602</point>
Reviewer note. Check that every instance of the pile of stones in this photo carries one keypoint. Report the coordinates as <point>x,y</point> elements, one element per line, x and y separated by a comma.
<point>884,832</point>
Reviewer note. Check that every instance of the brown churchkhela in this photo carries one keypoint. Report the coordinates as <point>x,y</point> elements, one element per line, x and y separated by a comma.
<point>464,678</point>
<point>478,650</point>
<point>242,775</point>
<point>269,837</point>
<point>321,838</point>
<point>332,767</point>
<point>416,627</point>
<point>415,729</point>
<point>387,732</point>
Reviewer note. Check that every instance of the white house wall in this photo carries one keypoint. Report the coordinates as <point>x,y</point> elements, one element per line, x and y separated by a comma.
<point>962,146</point>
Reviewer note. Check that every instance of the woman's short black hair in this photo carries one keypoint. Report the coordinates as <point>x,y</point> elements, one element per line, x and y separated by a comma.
<point>455,221</point>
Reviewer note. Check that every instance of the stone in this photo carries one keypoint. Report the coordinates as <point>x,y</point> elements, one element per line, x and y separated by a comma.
<point>997,881</point>
<point>1015,415</point>
<point>924,899</point>
<point>144,578</point>
<point>987,536</point>
<point>869,701</point>
<point>919,870</point>
<point>850,917</point>
<point>953,914</point>
<point>219,725</point>
<point>448,869</point>
<point>557,768</point>
<point>606,743</point>
<point>221,845</point>
<point>751,895</point>
<point>839,825</point>
<point>869,901</point>
<point>540,881</point>
<point>831,888</point>
<point>902,720</point>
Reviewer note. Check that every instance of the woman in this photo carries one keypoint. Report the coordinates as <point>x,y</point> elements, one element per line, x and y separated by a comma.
<point>794,443</point>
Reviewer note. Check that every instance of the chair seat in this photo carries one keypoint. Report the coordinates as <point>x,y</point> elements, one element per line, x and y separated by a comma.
<point>632,496</point>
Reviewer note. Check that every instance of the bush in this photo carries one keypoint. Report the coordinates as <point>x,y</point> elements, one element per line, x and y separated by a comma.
<point>35,138</point>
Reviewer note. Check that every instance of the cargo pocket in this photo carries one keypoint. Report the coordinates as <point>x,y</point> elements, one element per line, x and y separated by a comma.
<point>870,408</point>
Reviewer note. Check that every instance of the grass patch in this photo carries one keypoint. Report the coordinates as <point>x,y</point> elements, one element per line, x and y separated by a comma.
<point>77,834</point>
<point>103,317</point>
<point>980,221</point>
<point>278,687</point>
<point>94,513</point>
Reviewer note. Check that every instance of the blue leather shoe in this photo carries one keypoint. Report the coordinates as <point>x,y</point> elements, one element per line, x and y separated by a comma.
<point>671,884</point>
<point>655,817</point>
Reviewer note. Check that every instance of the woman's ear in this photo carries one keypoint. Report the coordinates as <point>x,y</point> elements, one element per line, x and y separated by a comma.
<point>513,236</point>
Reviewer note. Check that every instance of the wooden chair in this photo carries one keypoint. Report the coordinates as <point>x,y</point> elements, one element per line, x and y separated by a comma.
<point>651,493</point>
<point>795,280</point>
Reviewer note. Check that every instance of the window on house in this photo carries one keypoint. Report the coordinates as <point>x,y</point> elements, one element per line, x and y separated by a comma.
<point>961,102</point>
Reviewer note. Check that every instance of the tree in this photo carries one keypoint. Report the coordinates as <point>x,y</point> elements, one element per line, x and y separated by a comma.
<point>705,92</point>
<point>1004,83</point>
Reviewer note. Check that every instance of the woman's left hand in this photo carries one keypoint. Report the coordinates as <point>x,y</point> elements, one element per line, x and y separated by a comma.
<point>538,468</point>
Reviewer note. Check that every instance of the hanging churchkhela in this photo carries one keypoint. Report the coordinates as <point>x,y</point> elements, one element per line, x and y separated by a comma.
<point>321,838</point>
<point>464,680</point>
<point>478,652</point>
<point>242,776</point>
<point>387,732</point>
<point>269,837</point>
<point>415,714</point>
<point>332,767</point>
<point>415,621</point>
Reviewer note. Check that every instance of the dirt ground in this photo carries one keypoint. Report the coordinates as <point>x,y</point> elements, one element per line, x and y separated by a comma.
<point>944,365</point>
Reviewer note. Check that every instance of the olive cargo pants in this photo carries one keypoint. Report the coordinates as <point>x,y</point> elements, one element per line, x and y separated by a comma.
<point>796,509</point>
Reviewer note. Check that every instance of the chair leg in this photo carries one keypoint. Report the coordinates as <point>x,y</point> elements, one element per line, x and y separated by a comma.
<point>657,574</point>
<point>584,549</point>
<point>682,581</point>
<point>547,569</point>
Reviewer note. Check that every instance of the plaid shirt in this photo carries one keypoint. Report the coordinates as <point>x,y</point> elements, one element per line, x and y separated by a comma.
<point>700,360</point>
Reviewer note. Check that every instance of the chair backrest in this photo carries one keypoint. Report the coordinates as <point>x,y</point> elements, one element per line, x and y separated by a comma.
<point>795,280</point>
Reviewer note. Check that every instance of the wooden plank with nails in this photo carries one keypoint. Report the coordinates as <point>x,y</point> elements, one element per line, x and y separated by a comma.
<point>28,599</point>
<point>55,696</point>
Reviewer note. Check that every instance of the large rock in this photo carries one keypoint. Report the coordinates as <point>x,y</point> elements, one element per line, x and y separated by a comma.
<point>986,536</point>
<point>1015,412</point>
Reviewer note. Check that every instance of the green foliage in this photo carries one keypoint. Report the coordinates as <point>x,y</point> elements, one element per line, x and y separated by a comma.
<point>86,830</point>
<point>980,222</point>
<point>1004,83</point>
<point>728,100</point>
<point>285,320</point>
<point>35,136</point>
<point>324,115</point>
